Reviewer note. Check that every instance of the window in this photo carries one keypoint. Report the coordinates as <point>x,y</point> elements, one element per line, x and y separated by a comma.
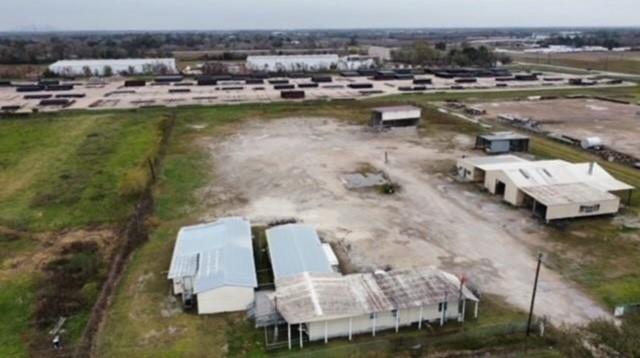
<point>547,173</point>
<point>589,208</point>
<point>372,316</point>
<point>394,313</point>
<point>442,305</point>
<point>524,173</point>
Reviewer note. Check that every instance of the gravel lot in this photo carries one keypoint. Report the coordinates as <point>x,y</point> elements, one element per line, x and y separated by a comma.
<point>291,168</point>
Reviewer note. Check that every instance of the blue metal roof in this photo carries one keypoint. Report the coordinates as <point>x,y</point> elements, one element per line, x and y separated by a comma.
<point>294,249</point>
<point>215,255</point>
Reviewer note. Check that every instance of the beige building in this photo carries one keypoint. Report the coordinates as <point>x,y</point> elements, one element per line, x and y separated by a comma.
<point>553,189</point>
<point>324,306</point>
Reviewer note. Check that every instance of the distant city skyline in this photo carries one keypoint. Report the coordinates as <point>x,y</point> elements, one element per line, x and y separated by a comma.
<point>154,15</point>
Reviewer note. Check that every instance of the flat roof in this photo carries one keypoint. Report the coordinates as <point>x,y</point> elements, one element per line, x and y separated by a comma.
<point>503,136</point>
<point>495,159</point>
<point>294,249</point>
<point>396,109</point>
<point>108,62</point>
<point>572,193</point>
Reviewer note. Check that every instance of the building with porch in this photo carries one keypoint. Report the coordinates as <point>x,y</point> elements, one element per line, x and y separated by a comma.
<point>324,306</point>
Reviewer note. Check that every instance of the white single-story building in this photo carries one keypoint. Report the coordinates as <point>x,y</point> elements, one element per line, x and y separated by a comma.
<point>213,266</point>
<point>553,189</point>
<point>324,306</point>
<point>129,66</point>
<point>395,116</point>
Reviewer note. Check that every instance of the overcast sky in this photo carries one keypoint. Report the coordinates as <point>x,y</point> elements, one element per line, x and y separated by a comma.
<point>297,14</point>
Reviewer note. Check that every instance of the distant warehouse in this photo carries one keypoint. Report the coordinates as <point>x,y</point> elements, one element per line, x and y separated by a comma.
<point>308,63</point>
<point>102,67</point>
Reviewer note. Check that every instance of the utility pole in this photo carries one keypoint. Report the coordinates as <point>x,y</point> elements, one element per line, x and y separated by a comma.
<point>533,296</point>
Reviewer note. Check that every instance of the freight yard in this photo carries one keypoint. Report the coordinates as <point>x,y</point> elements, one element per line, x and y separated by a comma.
<point>175,91</point>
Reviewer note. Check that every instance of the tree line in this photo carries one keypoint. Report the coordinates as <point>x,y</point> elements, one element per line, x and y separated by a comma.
<point>422,53</point>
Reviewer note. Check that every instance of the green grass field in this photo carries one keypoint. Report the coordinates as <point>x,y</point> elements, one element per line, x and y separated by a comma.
<point>66,171</point>
<point>60,173</point>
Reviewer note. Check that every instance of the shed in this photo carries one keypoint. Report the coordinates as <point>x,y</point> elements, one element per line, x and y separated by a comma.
<point>213,264</point>
<point>502,142</point>
<point>396,116</point>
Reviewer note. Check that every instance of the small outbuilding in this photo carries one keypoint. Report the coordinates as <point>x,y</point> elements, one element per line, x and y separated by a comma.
<point>213,266</point>
<point>396,116</point>
<point>502,142</point>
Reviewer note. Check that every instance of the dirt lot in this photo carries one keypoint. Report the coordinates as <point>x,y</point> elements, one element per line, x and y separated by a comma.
<point>292,167</point>
<point>626,62</point>
<point>616,124</point>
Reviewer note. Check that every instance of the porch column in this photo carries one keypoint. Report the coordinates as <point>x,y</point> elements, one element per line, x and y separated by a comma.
<point>326,333</point>
<point>375,316</point>
<point>300,330</point>
<point>397,320</point>
<point>289,334</point>
<point>420,319</point>
<point>464,306</point>
<point>475,313</point>
<point>275,332</point>
<point>350,327</point>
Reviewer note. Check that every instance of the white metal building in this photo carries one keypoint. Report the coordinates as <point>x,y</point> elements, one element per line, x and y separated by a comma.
<point>214,263</point>
<point>308,63</point>
<point>395,116</point>
<point>292,63</point>
<point>553,189</point>
<point>130,66</point>
<point>295,249</point>
<point>323,306</point>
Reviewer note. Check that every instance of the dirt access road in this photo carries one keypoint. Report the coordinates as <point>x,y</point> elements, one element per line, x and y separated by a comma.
<point>291,168</point>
